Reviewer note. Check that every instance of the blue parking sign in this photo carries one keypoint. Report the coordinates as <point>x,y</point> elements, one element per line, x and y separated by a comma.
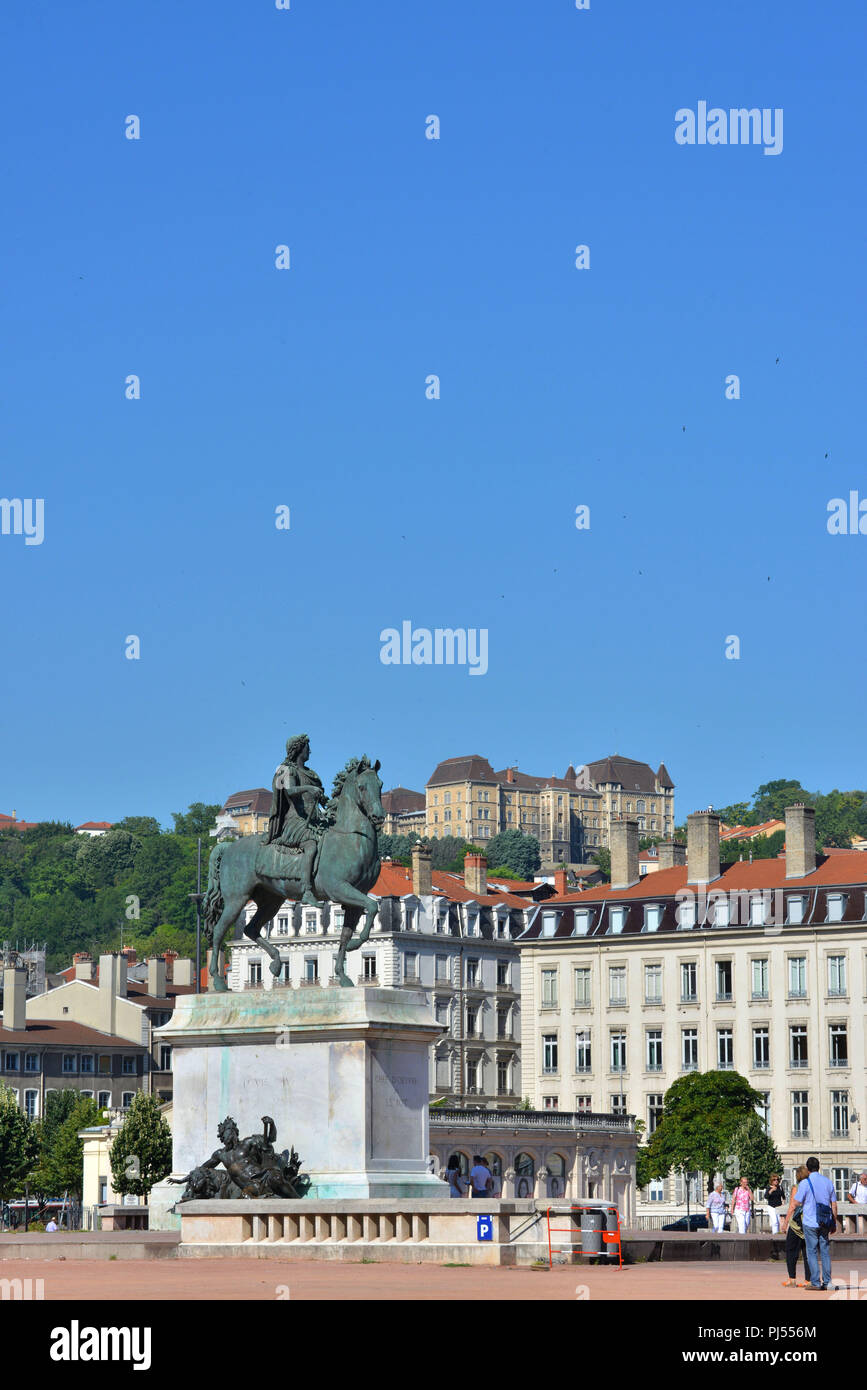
<point>484,1228</point>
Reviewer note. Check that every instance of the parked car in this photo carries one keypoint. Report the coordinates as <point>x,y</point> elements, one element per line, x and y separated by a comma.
<point>694,1222</point>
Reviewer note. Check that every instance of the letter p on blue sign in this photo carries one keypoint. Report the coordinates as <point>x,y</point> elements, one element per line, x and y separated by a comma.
<point>484,1228</point>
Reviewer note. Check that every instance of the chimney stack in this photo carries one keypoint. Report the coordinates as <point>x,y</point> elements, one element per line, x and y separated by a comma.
<point>624,852</point>
<point>83,965</point>
<point>157,977</point>
<point>184,972</point>
<point>702,847</point>
<point>112,986</point>
<point>671,854</point>
<point>510,774</point>
<point>422,878</point>
<point>560,881</point>
<point>800,840</point>
<point>476,874</point>
<point>170,958</point>
<point>14,996</point>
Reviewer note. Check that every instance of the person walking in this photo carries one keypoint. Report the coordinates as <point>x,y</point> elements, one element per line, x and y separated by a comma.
<point>818,1199</point>
<point>742,1206</point>
<point>775,1200</point>
<point>795,1243</point>
<point>716,1208</point>
<point>453,1177</point>
<point>481,1180</point>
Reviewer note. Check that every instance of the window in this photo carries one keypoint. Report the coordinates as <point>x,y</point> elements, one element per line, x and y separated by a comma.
<point>582,987</point>
<point>503,1084</point>
<point>761,1049</point>
<point>103,1099</point>
<point>87,1063</point>
<point>550,1103</point>
<point>840,1179</point>
<point>652,918</point>
<point>31,1099</point>
<point>368,967</point>
<point>721,913</point>
<point>758,910</point>
<point>725,1055</point>
<point>86,1094</point>
<point>800,1114</point>
<point>129,1066</point>
<point>70,1062</point>
<point>618,1105</point>
<point>798,1045</point>
<point>12,1060</point>
<point>441,1010</point>
<point>797,977</point>
<point>311,970</point>
<point>583,1105</point>
<point>795,911</point>
<point>286,972</point>
<point>617,917</point>
<point>31,1061</point>
<point>689,1049</point>
<point>410,966</point>
<point>723,980</point>
<point>653,984</point>
<point>503,973</point>
<point>582,1051</point>
<point>654,1049</point>
<point>165,1057</point>
<point>839,1114</point>
<point>549,989</point>
<point>474,1018</point>
<point>836,907</point>
<point>550,1061</point>
<point>310,923</point>
<point>837,975</point>
<point>686,914</point>
<point>254,972</point>
<point>839,1045</point>
<point>654,1111</point>
<point>283,926</point>
<point>618,1050</point>
<point>763,1110</point>
<point>503,1030</point>
<point>442,967</point>
<point>760,978</point>
<point>688,982</point>
<point>127,1099</point>
<point>549,923</point>
<point>582,922</point>
<point>656,1190</point>
<point>617,985</point>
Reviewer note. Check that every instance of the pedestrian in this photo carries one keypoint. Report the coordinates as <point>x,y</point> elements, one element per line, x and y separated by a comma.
<point>818,1199</point>
<point>453,1176</point>
<point>52,1225</point>
<point>776,1198</point>
<point>742,1206</point>
<point>481,1180</point>
<point>858,1190</point>
<point>716,1208</point>
<point>795,1243</point>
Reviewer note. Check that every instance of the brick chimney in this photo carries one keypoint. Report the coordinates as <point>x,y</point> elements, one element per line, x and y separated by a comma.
<point>170,958</point>
<point>702,847</point>
<point>422,879</point>
<point>14,995</point>
<point>129,955</point>
<point>83,965</point>
<point>157,977</point>
<point>476,874</point>
<point>800,840</point>
<point>560,881</point>
<point>510,774</point>
<point>624,851</point>
<point>112,986</point>
<point>670,854</point>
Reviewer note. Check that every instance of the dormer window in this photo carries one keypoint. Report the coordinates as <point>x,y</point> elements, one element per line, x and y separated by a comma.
<point>686,914</point>
<point>617,919</point>
<point>836,906</point>
<point>549,923</point>
<point>758,910</point>
<point>721,915</point>
<point>582,922</point>
<point>652,918</point>
<point>795,910</point>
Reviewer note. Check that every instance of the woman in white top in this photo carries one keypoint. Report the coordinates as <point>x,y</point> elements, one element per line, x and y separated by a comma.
<point>716,1208</point>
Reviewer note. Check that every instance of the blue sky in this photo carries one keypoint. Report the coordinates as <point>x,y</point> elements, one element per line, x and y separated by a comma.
<point>306,388</point>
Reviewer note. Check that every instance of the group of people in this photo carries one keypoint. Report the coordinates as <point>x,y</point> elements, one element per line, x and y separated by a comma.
<point>808,1223</point>
<point>479,1183</point>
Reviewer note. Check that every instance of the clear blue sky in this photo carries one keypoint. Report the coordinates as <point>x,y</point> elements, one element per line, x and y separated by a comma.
<point>306,388</point>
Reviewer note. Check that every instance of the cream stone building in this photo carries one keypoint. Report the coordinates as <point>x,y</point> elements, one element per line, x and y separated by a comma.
<point>760,968</point>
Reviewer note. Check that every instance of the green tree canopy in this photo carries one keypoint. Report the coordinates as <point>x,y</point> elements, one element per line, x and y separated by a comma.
<point>18,1145</point>
<point>701,1112</point>
<point>141,1154</point>
<point>519,852</point>
<point>753,1154</point>
<point>142,826</point>
<point>198,819</point>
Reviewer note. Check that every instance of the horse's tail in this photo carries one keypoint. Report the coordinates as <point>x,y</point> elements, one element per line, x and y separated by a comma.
<point>212,902</point>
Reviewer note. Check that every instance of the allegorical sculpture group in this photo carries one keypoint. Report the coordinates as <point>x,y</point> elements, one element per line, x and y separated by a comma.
<point>316,849</point>
<point>250,1167</point>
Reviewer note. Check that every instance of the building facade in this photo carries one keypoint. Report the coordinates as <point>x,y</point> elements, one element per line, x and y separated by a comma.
<point>404,812</point>
<point>243,813</point>
<point>453,936</point>
<point>759,968</point>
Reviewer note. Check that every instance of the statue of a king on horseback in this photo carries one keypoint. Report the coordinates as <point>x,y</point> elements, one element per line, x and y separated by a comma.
<point>315,850</point>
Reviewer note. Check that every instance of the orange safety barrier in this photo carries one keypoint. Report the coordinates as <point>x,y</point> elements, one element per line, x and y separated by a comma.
<point>608,1237</point>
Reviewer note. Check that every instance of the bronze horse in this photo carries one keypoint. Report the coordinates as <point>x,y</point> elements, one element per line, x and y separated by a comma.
<point>346,867</point>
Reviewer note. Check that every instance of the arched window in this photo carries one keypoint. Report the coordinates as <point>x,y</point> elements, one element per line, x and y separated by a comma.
<point>525,1175</point>
<point>556,1165</point>
<point>495,1163</point>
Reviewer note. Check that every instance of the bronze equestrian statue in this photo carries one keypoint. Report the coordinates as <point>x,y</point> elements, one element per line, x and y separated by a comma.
<point>306,854</point>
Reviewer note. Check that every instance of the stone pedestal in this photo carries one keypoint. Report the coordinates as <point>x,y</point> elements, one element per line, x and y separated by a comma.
<point>343,1072</point>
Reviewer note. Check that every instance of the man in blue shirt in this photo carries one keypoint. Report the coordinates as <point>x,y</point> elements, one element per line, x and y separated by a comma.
<point>815,1188</point>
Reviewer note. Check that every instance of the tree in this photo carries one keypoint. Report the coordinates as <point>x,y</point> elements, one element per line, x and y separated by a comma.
<point>753,1154</point>
<point>701,1112</point>
<point>448,854</point>
<point>65,1159</point>
<point>518,852</point>
<point>142,826</point>
<point>141,1155</point>
<point>18,1145</point>
<point>58,1107</point>
<point>103,859</point>
<point>198,819</point>
<point>602,857</point>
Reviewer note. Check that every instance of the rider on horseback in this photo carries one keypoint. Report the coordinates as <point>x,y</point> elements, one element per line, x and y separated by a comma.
<point>294,821</point>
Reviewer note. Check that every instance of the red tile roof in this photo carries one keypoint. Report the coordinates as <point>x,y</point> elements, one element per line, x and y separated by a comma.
<point>395,881</point>
<point>60,1032</point>
<point>95,825</point>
